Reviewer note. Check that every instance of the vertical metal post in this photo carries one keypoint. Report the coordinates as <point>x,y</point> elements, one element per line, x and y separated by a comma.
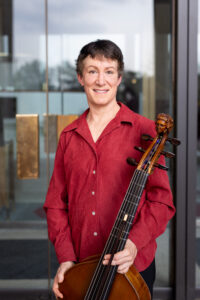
<point>191,147</point>
<point>186,116</point>
<point>181,157</point>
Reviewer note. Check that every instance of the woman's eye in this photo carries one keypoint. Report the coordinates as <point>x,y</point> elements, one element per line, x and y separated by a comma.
<point>109,72</point>
<point>92,72</point>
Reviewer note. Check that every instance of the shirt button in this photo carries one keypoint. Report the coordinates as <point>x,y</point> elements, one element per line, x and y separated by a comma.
<point>95,233</point>
<point>94,172</point>
<point>93,193</point>
<point>93,213</point>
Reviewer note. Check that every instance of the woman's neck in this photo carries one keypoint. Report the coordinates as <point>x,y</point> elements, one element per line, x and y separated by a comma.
<point>101,114</point>
<point>99,118</point>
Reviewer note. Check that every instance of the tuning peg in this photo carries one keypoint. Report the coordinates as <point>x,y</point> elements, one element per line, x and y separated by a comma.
<point>147,137</point>
<point>174,141</point>
<point>139,149</point>
<point>161,167</point>
<point>168,154</point>
<point>131,161</point>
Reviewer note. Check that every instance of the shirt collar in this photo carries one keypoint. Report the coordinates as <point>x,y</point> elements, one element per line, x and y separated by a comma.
<point>125,115</point>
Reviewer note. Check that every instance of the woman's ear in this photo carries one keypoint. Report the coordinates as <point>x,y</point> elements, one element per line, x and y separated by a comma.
<point>80,79</point>
<point>119,80</point>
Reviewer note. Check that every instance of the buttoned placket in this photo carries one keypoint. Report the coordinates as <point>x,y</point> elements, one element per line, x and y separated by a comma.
<point>94,195</point>
<point>93,213</point>
<point>94,146</point>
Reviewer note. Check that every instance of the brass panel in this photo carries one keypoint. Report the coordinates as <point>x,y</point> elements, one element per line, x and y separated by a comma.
<point>50,122</point>
<point>63,121</point>
<point>27,136</point>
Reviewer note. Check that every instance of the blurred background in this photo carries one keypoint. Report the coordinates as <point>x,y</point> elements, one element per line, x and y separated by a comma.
<point>40,95</point>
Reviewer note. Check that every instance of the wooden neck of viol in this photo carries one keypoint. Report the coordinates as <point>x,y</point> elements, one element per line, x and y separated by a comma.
<point>104,275</point>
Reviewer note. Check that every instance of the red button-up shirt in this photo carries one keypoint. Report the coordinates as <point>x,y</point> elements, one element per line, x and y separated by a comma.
<point>89,183</point>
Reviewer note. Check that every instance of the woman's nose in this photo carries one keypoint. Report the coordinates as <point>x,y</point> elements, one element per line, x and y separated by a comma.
<point>100,79</point>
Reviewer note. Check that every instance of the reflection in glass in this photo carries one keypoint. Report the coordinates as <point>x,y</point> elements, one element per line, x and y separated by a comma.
<point>21,32</point>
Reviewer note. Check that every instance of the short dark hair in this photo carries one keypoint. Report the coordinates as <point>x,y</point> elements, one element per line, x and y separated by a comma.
<point>105,48</point>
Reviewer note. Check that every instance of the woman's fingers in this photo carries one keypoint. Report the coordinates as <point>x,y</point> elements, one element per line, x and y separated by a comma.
<point>123,259</point>
<point>60,277</point>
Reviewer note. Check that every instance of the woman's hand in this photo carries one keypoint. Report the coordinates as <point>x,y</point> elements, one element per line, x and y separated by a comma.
<point>60,277</point>
<point>124,259</point>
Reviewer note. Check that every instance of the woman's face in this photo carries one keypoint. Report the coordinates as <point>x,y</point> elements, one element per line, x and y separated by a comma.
<point>100,79</point>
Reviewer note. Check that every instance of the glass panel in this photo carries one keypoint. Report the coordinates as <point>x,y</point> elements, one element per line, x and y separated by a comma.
<point>198,164</point>
<point>23,235</point>
<point>143,30</point>
<point>22,53</point>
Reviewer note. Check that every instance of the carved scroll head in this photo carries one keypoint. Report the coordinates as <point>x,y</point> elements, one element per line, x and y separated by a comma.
<point>164,123</point>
